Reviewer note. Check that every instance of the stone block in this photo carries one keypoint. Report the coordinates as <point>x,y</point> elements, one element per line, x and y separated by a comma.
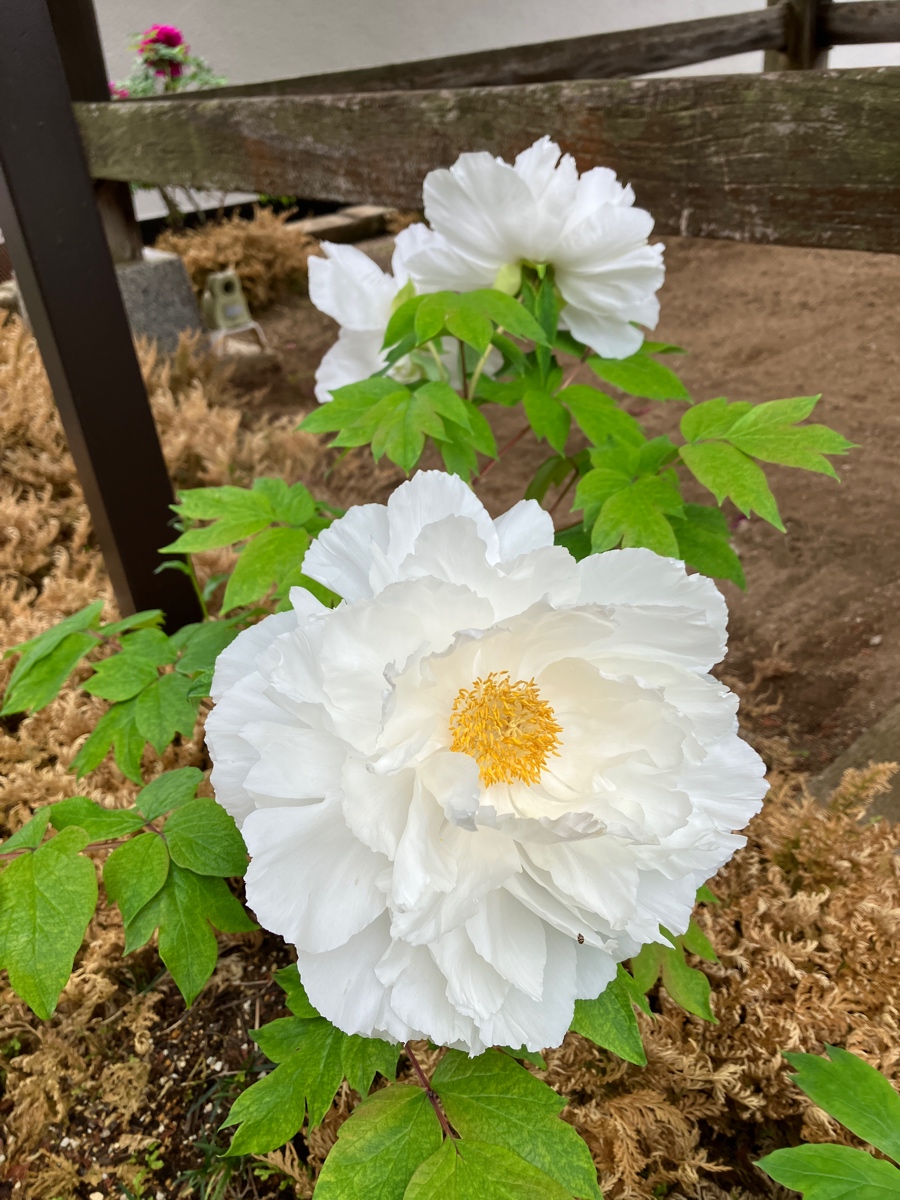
<point>879,744</point>
<point>159,298</point>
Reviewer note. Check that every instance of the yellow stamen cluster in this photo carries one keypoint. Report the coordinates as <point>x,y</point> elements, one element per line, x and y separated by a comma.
<point>506,727</point>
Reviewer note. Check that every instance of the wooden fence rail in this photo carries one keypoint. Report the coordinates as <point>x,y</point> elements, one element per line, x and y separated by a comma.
<point>797,157</point>
<point>618,55</point>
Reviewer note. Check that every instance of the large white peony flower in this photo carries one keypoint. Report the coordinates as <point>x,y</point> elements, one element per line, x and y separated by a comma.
<point>348,286</point>
<point>487,215</point>
<point>486,777</point>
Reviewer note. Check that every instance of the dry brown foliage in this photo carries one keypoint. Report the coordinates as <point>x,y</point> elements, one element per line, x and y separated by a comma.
<point>807,930</point>
<point>267,252</point>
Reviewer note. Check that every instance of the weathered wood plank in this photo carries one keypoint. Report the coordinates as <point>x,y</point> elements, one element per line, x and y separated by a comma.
<point>617,55</point>
<point>800,157</point>
<point>861,24</point>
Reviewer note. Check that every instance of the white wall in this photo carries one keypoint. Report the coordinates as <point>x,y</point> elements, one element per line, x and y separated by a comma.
<point>256,40</point>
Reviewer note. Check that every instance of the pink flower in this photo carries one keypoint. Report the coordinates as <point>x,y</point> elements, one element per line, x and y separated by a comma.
<point>116,92</point>
<point>162,35</point>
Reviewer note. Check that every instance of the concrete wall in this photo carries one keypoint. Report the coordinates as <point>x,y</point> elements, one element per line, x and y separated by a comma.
<point>250,40</point>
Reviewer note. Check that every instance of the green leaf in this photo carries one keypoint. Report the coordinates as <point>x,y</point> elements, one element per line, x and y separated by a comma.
<point>698,943</point>
<point>548,418</point>
<point>213,503</point>
<point>402,429</point>
<point>203,644</point>
<point>468,323</point>
<point>827,1172</point>
<point>363,1058</point>
<point>730,474</point>
<point>264,562</point>
<point>609,1021</point>
<point>853,1093</point>
<point>38,679</point>
<point>687,986</point>
<point>271,1111</point>
<point>495,1100</point>
<point>296,999</point>
<point>280,1038</point>
<point>121,677</point>
<point>47,898</point>
<point>379,1148</point>
<point>45,643</point>
<point>480,1171</point>
<point>294,505</point>
<point>636,516</point>
<point>704,542</point>
<point>203,837</point>
<point>97,822</point>
<point>163,709</point>
<point>134,873</point>
<point>599,417</point>
<point>575,539</point>
<point>712,418</point>
<point>148,618</point>
<point>510,315</point>
<point>30,835</point>
<point>117,729</point>
<point>170,790</point>
<point>224,532</point>
<point>640,376</point>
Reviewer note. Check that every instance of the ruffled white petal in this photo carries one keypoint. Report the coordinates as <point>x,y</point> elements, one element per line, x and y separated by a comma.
<point>350,287</point>
<point>355,356</point>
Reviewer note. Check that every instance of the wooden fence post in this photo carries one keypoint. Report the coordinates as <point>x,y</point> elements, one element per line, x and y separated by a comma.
<point>803,26</point>
<point>68,282</point>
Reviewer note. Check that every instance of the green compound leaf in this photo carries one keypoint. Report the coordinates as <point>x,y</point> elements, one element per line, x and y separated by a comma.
<point>548,418</point>
<point>47,898</point>
<point>200,645</point>
<point>214,503</point>
<point>33,687</point>
<point>576,539</point>
<point>164,709</point>
<point>152,645</point>
<point>510,315</point>
<point>148,618</point>
<point>97,822</point>
<point>296,999</point>
<point>495,1100</point>
<point>827,1172</point>
<point>221,533</point>
<point>292,504</point>
<point>134,873</point>
<point>29,837</point>
<point>730,474</point>
<point>480,1171</point>
<point>169,790</point>
<point>599,417</point>
<point>704,542</point>
<point>687,986</point>
<point>203,837</point>
<point>264,563</point>
<point>379,1148</point>
<point>468,323</point>
<point>185,909</point>
<point>640,376</point>
<point>116,729</point>
<point>121,677</point>
<point>853,1093</point>
<point>636,516</point>
<point>363,1058</point>
<point>712,418</point>
<point>609,1021</point>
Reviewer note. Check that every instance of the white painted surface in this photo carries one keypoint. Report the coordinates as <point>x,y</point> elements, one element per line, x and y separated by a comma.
<point>256,40</point>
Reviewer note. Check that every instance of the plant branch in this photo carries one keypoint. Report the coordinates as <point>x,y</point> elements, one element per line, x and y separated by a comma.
<point>503,450</point>
<point>562,495</point>
<point>445,375</point>
<point>430,1092</point>
<point>462,370</point>
<point>572,374</point>
<point>479,366</point>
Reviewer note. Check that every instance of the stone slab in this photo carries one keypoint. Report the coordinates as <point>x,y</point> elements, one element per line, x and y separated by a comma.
<point>879,744</point>
<point>159,298</point>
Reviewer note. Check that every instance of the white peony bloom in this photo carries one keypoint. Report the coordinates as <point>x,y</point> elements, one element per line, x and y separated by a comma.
<point>348,286</point>
<point>487,776</point>
<point>487,215</point>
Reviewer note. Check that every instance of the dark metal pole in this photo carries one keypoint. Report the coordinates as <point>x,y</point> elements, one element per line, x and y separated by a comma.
<point>68,282</point>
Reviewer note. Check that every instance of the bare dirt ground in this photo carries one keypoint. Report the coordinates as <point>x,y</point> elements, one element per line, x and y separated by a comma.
<point>760,323</point>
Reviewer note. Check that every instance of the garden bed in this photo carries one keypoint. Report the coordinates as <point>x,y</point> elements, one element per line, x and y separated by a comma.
<point>125,1089</point>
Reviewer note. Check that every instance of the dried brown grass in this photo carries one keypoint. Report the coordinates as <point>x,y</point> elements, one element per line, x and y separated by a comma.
<point>268,253</point>
<point>808,928</point>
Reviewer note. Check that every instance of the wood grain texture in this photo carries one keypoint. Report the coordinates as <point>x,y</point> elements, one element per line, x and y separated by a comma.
<point>862,23</point>
<point>798,158</point>
<point>616,55</point>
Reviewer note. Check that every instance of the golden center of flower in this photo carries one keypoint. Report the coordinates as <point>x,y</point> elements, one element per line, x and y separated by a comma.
<point>506,727</point>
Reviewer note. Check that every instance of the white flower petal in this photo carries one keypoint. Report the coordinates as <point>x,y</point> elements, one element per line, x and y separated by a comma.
<point>536,1024</point>
<point>482,206</point>
<point>526,526</point>
<point>294,765</point>
<point>339,556</point>
<point>239,659</point>
<point>355,356</point>
<point>474,988</point>
<point>350,287</point>
<point>511,938</point>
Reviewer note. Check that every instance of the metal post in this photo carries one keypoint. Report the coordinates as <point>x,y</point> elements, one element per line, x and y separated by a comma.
<point>68,282</point>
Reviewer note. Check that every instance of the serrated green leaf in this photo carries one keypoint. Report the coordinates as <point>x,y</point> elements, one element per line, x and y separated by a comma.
<point>509,314</point>
<point>203,644</point>
<point>446,402</point>
<point>164,709</point>
<point>793,446</point>
<point>696,941</point>
<point>224,532</point>
<point>430,314</point>
<point>402,430</point>
<point>271,1111</point>
<point>44,643</point>
<point>214,503</point>
<point>292,504</point>
<point>169,790</point>
<point>854,1093</point>
<point>203,837</point>
<point>495,1100</point>
<point>116,729</point>
<point>30,835</point>
<point>776,413</point>
<point>712,418</point>
<point>379,1148</point>
<point>120,677</point>
<point>150,644</point>
<point>149,618</point>
<point>704,542</point>
<point>686,985</point>
<point>135,872</point>
<point>731,475</point>
<point>548,418</point>
<point>826,1172</point>
<point>47,898</point>
<point>34,685</point>
<point>353,405</point>
<point>296,999</point>
<point>362,1058</point>
<point>279,1039</point>
<point>471,1170</point>
<point>468,323</point>
<point>640,376</point>
<point>609,1021</point>
<point>264,562</point>
<point>98,823</point>
<point>599,417</point>
<point>636,516</point>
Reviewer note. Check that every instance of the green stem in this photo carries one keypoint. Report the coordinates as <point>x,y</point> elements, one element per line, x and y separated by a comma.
<point>445,374</point>
<point>430,1093</point>
<point>479,366</point>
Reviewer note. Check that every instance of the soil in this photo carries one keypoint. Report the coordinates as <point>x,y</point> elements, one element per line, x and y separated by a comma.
<point>760,323</point>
